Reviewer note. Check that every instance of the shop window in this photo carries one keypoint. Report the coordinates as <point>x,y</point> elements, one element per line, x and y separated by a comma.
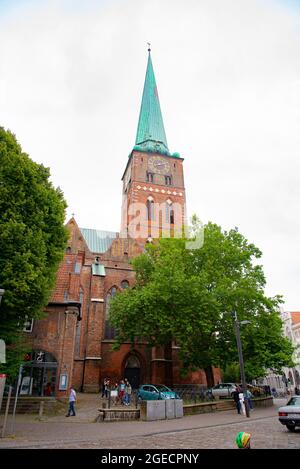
<point>39,374</point>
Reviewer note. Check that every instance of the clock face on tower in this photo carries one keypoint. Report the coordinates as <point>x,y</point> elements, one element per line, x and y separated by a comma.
<point>158,165</point>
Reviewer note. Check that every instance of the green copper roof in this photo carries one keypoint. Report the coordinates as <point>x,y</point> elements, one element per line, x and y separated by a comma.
<point>151,134</point>
<point>98,241</point>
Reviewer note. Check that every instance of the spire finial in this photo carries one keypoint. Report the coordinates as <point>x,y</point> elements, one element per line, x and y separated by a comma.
<point>149,48</point>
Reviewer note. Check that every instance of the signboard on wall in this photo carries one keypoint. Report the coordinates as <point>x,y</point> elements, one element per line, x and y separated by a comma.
<point>63,382</point>
<point>26,386</point>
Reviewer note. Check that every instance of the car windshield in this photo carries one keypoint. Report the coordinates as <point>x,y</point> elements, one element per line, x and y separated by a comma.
<point>162,388</point>
<point>294,401</point>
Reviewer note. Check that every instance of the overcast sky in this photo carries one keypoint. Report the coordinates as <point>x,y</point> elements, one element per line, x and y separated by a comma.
<point>228,76</point>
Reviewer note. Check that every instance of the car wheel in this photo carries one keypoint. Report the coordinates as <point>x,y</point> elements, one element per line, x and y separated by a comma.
<point>291,428</point>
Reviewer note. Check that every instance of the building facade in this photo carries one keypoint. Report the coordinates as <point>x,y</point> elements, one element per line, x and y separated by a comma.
<point>72,345</point>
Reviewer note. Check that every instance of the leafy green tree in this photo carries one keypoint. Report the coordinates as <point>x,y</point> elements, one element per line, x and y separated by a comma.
<point>231,374</point>
<point>187,295</point>
<point>32,242</point>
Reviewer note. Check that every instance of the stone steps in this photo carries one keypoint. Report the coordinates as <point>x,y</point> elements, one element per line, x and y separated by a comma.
<point>30,405</point>
<point>111,415</point>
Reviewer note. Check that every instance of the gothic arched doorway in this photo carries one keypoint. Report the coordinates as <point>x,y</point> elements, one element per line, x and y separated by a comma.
<point>132,371</point>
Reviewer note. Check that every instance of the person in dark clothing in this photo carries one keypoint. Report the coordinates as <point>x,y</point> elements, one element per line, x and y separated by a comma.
<point>236,399</point>
<point>103,387</point>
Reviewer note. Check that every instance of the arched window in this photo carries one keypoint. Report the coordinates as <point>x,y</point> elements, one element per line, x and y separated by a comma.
<point>132,362</point>
<point>172,219</point>
<point>124,284</point>
<point>169,212</point>
<point>150,209</point>
<point>150,177</point>
<point>168,180</point>
<point>110,331</point>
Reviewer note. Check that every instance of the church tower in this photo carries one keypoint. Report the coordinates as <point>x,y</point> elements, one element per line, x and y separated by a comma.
<point>153,202</point>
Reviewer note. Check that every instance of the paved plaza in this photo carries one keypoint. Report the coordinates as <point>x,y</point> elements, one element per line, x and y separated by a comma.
<point>203,431</point>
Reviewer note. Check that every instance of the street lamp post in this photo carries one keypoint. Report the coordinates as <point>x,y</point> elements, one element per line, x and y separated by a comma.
<point>241,360</point>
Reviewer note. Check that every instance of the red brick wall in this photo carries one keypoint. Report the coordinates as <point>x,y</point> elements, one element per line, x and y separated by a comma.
<point>78,374</point>
<point>55,334</point>
<point>113,362</point>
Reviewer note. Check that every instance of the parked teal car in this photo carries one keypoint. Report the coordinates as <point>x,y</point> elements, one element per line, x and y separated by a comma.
<point>148,392</point>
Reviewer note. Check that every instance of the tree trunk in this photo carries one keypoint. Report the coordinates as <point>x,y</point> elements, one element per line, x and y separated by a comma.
<point>209,376</point>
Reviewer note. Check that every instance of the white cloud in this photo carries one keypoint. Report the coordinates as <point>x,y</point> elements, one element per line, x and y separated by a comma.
<point>228,74</point>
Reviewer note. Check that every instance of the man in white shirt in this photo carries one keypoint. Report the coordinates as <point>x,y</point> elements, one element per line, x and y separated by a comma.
<point>72,400</point>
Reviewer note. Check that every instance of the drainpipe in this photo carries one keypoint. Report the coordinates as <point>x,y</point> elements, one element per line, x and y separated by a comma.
<point>87,329</point>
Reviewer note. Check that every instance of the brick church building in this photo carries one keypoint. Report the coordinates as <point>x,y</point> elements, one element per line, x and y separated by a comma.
<point>72,345</point>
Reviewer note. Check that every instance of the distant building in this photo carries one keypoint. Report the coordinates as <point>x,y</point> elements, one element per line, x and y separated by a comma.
<point>291,376</point>
<point>72,345</point>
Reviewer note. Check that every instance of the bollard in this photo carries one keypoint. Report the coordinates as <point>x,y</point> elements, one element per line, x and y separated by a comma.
<point>41,410</point>
<point>6,411</point>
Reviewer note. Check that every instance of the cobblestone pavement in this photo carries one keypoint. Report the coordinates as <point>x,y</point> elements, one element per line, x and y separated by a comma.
<point>204,431</point>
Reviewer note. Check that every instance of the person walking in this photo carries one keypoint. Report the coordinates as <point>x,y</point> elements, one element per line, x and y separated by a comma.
<point>128,391</point>
<point>249,397</point>
<point>122,391</point>
<point>236,398</point>
<point>72,400</point>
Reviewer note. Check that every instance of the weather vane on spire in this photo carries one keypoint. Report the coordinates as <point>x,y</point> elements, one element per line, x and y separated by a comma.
<point>149,48</point>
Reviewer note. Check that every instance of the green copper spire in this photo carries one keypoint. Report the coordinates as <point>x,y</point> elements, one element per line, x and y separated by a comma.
<point>150,134</point>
